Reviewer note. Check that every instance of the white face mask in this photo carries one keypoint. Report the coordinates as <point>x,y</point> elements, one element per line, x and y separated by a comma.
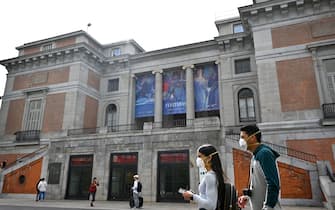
<point>243,144</point>
<point>200,163</point>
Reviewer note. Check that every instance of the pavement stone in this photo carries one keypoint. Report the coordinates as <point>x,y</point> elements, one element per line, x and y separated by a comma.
<point>117,205</point>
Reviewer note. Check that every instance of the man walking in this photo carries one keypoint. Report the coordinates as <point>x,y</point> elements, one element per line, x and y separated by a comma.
<point>137,188</point>
<point>264,183</point>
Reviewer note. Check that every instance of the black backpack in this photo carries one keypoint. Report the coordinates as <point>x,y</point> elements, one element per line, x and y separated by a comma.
<point>139,187</point>
<point>230,200</point>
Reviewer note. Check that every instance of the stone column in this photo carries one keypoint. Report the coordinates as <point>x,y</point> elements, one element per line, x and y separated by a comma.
<point>189,94</point>
<point>132,100</point>
<point>218,63</point>
<point>158,98</point>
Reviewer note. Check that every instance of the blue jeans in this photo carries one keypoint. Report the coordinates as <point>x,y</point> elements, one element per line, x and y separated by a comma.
<point>42,196</point>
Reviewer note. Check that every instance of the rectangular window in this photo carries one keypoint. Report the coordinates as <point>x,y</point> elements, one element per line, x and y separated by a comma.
<point>47,47</point>
<point>329,64</point>
<point>54,173</point>
<point>116,52</point>
<point>33,120</point>
<point>238,28</point>
<point>242,66</point>
<point>113,85</point>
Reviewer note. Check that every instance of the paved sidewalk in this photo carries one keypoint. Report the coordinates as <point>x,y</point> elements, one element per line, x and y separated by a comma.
<point>116,205</point>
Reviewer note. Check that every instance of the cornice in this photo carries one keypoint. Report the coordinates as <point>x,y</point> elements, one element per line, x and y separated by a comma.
<point>227,42</point>
<point>176,49</point>
<point>281,10</point>
<point>42,41</point>
<point>21,62</point>
<point>319,44</point>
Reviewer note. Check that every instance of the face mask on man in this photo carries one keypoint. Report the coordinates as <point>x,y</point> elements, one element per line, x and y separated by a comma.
<point>244,143</point>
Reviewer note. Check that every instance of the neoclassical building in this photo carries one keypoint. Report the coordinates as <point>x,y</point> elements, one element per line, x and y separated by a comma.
<point>74,109</point>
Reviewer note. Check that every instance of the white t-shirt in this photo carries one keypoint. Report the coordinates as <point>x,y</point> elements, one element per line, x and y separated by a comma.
<point>208,192</point>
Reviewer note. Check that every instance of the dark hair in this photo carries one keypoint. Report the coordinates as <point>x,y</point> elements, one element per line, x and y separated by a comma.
<point>207,150</point>
<point>251,129</point>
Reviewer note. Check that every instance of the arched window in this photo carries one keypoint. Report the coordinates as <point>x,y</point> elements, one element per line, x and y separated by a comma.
<point>246,105</point>
<point>111,112</point>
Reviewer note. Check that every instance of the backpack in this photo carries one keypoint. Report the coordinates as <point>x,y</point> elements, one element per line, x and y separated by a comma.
<point>139,187</point>
<point>230,199</point>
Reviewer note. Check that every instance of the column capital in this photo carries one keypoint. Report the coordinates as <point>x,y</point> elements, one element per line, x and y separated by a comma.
<point>190,66</point>
<point>157,71</point>
<point>217,62</point>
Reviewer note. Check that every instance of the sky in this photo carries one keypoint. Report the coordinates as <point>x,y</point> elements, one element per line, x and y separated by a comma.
<point>153,24</point>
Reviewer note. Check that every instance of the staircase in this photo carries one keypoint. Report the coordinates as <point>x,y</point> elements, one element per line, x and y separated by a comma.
<point>20,162</point>
<point>295,158</point>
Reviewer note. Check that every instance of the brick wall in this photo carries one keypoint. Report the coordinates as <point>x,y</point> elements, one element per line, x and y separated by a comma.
<point>93,80</point>
<point>41,78</point>
<point>65,42</point>
<point>91,111</point>
<point>15,116</point>
<point>54,112</point>
<point>295,182</point>
<point>321,148</point>
<point>58,44</point>
<point>297,84</point>
<point>31,172</point>
<point>303,32</point>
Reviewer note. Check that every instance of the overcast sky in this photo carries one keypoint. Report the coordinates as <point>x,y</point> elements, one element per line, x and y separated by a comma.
<point>153,24</point>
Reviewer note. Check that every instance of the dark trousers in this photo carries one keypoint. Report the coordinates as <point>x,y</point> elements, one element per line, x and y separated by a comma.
<point>93,196</point>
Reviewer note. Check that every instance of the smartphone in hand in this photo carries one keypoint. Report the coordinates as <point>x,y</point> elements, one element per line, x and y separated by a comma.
<point>181,190</point>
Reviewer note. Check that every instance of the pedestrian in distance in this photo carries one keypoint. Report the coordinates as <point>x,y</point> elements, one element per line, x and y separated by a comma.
<point>42,187</point>
<point>92,190</point>
<point>37,190</point>
<point>212,185</point>
<point>264,182</point>
<point>137,189</point>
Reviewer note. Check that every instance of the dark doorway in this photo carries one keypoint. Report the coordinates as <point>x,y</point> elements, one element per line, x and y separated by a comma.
<point>122,169</point>
<point>173,173</point>
<point>79,178</point>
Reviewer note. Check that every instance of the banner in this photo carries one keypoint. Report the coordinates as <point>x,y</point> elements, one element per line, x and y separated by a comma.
<point>145,95</point>
<point>206,88</point>
<point>174,92</point>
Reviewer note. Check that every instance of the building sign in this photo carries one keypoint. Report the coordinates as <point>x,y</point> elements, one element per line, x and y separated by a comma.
<point>174,92</point>
<point>124,158</point>
<point>173,157</point>
<point>206,88</point>
<point>145,95</point>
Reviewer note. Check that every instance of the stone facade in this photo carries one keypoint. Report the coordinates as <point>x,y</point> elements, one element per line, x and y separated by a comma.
<point>79,98</point>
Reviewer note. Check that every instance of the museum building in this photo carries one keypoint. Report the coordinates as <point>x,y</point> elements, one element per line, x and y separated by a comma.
<point>74,108</point>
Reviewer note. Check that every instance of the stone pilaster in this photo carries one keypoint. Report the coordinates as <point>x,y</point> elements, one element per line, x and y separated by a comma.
<point>189,94</point>
<point>158,97</point>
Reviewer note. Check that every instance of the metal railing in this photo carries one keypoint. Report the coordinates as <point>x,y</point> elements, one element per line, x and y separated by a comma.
<point>328,110</point>
<point>27,136</point>
<point>27,156</point>
<point>124,128</point>
<point>280,149</point>
<point>176,123</point>
<point>80,131</point>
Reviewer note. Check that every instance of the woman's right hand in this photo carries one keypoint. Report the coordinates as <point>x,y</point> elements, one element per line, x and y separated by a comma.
<point>187,195</point>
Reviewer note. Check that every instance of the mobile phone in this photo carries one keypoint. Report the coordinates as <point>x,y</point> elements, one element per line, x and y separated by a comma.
<point>181,190</point>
